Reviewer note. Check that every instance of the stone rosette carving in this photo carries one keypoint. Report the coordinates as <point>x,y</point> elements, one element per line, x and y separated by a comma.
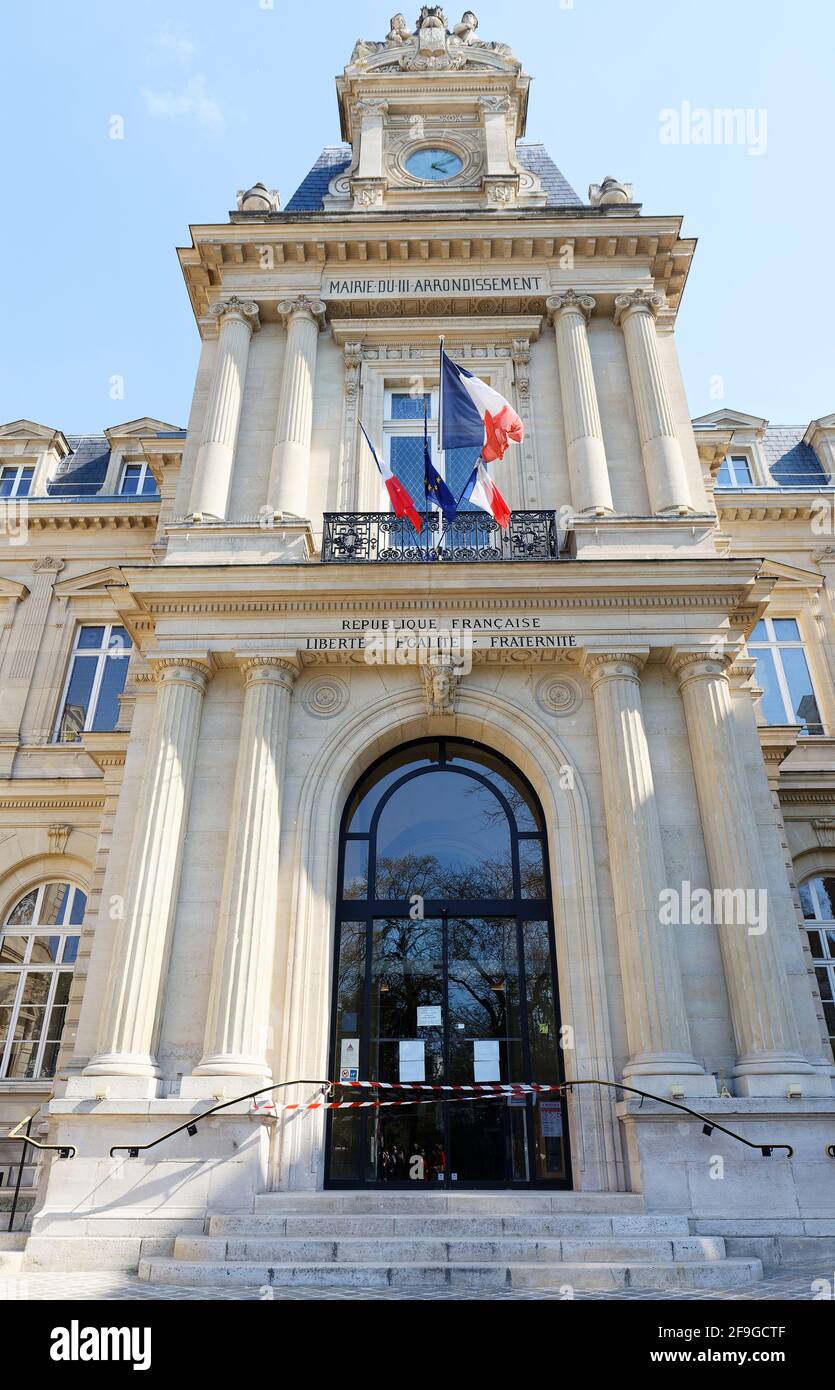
<point>326,698</point>
<point>558,695</point>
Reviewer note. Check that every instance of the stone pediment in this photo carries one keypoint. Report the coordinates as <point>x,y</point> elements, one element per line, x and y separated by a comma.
<point>431,46</point>
<point>730,419</point>
<point>17,431</point>
<point>140,429</point>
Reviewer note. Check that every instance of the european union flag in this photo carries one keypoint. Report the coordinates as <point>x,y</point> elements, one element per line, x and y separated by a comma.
<point>434,486</point>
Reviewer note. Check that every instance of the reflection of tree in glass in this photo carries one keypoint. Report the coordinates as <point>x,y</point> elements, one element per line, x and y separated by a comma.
<point>399,879</point>
<point>483,977</point>
<point>407,972</point>
<point>351,968</point>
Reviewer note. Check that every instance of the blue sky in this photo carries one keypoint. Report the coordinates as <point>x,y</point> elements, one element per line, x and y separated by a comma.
<point>215,94</point>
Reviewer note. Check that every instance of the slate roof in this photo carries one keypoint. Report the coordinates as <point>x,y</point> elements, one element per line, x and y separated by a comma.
<point>533,155</point>
<point>791,462</point>
<point>83,471</point>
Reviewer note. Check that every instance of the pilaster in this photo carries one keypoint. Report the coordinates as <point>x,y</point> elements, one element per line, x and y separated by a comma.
<point>667,483</point>
<point>238,319</point>
<point>303,317</point>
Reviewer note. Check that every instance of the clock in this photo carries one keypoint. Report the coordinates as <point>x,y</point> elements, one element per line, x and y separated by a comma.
<point>434,164</point>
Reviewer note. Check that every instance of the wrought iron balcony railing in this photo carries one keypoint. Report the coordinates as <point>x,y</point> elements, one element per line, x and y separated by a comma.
<point>382,538</point>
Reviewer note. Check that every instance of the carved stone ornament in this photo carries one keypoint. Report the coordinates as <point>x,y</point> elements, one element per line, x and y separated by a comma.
<point>649,300</point>
<point>49,563</point>
<point>302,304</point>
<point>558,695</point>
<point>433,45</point>
<point>440,683</point>
<point>824,828</point>
<point>58,836</point>
<point>326,698</point>
<point>246,309</point>
<point>353,362</point>
<point>570,299</point>
<point>609,193</point>
<point>258,198</point>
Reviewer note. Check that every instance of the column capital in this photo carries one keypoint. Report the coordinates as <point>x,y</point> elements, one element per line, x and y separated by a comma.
<point>614,665</point>
<point>244,310</point>
<point>187,669</point>
<point>569,301</point>
<point>696,663</point>
<point>277,668</point>
<point>645,301</point>
<point>304,306</point>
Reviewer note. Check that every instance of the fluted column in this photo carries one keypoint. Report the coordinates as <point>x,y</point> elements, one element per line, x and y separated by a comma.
<point>129,1029</point>
<point>303,318</point>
<point>656,1019</point>
<point>669,490</point>
<point>767,1039</point>
<point>238,319</point>
<point>587,467</point>
<point>237,1026</point>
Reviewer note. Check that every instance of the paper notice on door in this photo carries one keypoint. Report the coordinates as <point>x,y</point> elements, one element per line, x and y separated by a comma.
<point>429,1016</point>
<point>349,1059</point>
<point>551,1119</point>
<point>486,1060</point>
<point>412,1064</point>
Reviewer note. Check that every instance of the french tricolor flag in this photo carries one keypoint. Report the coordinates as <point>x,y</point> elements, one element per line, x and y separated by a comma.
<point>474,415</point>
<point>401,500</point>
<point>482,492</point>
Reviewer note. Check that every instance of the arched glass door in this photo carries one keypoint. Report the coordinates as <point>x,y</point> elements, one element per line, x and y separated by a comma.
<point>444,972</point>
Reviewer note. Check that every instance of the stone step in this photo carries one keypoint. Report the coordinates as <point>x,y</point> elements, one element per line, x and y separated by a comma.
<point>12,1244</point>
<point>454,1203</point>
<point>582,1275</point>
<point>334,1224</point>
<point>428,1250</point>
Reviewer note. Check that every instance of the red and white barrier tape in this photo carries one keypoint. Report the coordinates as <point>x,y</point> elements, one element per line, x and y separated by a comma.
<point>483,1091</point>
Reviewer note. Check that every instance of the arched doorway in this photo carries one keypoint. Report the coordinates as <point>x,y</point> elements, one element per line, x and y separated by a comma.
<point>444,971</point>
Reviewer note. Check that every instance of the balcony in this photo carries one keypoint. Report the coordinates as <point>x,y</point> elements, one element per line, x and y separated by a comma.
<point>381,538</point>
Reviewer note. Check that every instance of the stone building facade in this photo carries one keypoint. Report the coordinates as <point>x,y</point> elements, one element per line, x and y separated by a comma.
<point>644,663</point>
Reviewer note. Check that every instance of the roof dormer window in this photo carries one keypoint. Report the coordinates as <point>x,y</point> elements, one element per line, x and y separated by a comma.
<point>735,472</point>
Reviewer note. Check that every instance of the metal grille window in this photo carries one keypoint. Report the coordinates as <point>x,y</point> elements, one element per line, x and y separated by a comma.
<point>138,481</point>
<point>735,472</point>
<point>783,673</point>
<point>16,481</point>
<point>96,679</point>
<point>38,947</point>
<point>403,432</point>
<point>817,897</point>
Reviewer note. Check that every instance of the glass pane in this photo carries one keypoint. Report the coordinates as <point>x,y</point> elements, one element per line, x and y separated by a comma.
<point>91,637</point>
<point>824,982</point>
<point>77,702</point>
<point>62,987</point>
<point>531,868</point>
<point>25,482</point>
<point>512,788</point>
<point>829,1016</point>
<point>345,1146</point>
<point>149,485</point>
<point>723,477</point>
<point>355,874</point>
<point>119,640</point>
<point>50,1059</point>
<point>760,633</point>
<point>405,406</point>
<point>825,888</point>
<point>113,683</point>
<point>478,1140</point>
<point>766,676</point>
<point>542,1017</point>
<point>70,949</point>
<point>800,689</point>
<point>483,985</point>
<point>78,908</point>
<point>369,793</point>
<point>36,987</point>
<point>406,1146</point>
<point>741,469</point>
<point>29,1023</point>
<point>12,949</point>
<point>22,913</point>
<point>7,481</point>
<point>130,479</point>
<point>786,630</point>
<point>550,1136</point>
<point>8,987</point>
<point>446,836</point>
<point>815,944</point>
<point>22,1059</point>
<point>54,904</point>
<point>406,459</point>
<point>406,974</point>
<point>45,950</point>
<point>458,465</point>
<point>807,901</point>
<point>350,983</point>
<point>829,941</point>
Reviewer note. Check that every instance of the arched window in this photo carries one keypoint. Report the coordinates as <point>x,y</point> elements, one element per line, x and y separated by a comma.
<point>445,973</point>
<point>38,947</point>
<point>817,896</point>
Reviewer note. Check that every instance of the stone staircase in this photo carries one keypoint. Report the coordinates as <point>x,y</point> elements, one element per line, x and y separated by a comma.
<point>601,1241</point>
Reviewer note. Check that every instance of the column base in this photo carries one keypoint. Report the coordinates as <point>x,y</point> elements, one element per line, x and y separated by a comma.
<point>773,1074</point>
<point>660,1074</point>
<point>207,1085</point>
<point>113,1087</point>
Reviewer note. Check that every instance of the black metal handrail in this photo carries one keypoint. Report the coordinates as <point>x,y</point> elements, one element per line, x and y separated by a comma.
<point>383,538</point>
<point>62,1150</point>
<point>25,1141</point>
<point>708,1125</point>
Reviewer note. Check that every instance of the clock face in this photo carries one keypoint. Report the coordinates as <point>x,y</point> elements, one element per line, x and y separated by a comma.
<point>434,164</point>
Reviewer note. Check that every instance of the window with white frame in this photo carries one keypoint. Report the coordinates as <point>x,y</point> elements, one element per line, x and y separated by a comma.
<point>96,679</point>
<point>736,471</point>
<point>403,442</point>
<point>817,897</point>
<point>16,479</point>
<point>137,480</point>
<point>783,673</point>
<point>38,947</point>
